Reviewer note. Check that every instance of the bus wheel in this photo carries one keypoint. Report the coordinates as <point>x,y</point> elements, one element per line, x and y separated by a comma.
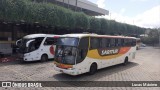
<point>22,61</point>
<point>125,61</point>
<point>93,69</point>
<point>44,58</point>
<point>137,48</point>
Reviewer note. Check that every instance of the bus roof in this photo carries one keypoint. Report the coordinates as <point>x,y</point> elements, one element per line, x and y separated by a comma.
<point>95,35</point>
<point>39,35</point>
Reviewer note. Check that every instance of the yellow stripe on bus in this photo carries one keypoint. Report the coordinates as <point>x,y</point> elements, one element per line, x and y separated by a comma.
<point>95,55</point>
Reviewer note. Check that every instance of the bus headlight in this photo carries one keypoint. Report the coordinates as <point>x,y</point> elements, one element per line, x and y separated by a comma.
<point>26,55</point>
<point>71,68</point>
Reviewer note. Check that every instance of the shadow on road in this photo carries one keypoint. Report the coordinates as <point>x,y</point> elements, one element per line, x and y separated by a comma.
<point>100,73</point>
<point>18,62</point>
<point>141,48</point>
<point>156,47</point>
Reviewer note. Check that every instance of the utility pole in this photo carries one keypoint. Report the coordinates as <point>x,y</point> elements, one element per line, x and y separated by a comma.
<point>110,16</point>
<point>63,3</point>
<point>76,5</point>
<point>68,3</point>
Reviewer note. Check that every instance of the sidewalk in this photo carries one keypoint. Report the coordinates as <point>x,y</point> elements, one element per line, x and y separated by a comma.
<point>7,58</point>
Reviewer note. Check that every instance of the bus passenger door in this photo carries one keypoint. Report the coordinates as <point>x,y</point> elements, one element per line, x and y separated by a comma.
<point>81,55</point>
<point>49,47</point>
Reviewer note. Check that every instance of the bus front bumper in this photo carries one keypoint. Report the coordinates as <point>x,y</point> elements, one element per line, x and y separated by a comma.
<point>66,71</point>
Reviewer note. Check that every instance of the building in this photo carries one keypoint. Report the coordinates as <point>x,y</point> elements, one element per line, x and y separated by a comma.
<point>80,6</point>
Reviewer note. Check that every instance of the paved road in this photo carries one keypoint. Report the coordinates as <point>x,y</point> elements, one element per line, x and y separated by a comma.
<point>146,67</point>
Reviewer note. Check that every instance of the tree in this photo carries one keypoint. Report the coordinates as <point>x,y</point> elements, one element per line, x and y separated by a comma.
<point>95,24</point>
<point>82,21</point>
<point>153,37</point>
<point>104,26</point>
<point>48,14</point>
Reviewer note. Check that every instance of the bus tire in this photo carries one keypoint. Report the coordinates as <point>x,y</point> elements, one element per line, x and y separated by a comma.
<point>22,61</point>
<point>93,69</point>
<point>137,48</point>
<point>44,58</point>
<point>125,61</point>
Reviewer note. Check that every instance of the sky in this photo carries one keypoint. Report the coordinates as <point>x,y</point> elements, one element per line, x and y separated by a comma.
<point>143,13</point>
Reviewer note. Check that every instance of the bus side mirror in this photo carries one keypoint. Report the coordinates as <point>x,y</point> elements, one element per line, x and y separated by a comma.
<point>27,44</point>
<point>18,42</point>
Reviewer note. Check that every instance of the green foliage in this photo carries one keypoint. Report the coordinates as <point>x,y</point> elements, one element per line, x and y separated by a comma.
<point>104,26</point>
<point>95,24</point>
<point>153,37</point>
<point>112,27</point>
<point>71,19</point>
<point>82,21</point>
<point>14,10</point>
<point>50,14</point>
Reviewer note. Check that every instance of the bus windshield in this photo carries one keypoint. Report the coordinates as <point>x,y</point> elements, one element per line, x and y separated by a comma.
<point>71,50</point>
<point>30,44</point>
<point>68,41</point>
<point>66,54</point>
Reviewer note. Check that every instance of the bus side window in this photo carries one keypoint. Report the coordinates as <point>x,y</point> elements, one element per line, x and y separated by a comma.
<point>108,40</point>
<point>122,42</point>
<point>112,42</point>
<point>130,42</point>
<point>126,42</point>
<point>103,43</point>
<point>82,49</point>
<point>117,42</point>
<point>94,43</point>
<point>133,42</point>
<point>50,41</point>
<point>38,42</point>
<point>84,42</point>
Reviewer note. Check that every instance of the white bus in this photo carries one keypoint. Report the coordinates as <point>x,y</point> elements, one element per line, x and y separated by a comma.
<point>37,47</point>
<point>80,53</point>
